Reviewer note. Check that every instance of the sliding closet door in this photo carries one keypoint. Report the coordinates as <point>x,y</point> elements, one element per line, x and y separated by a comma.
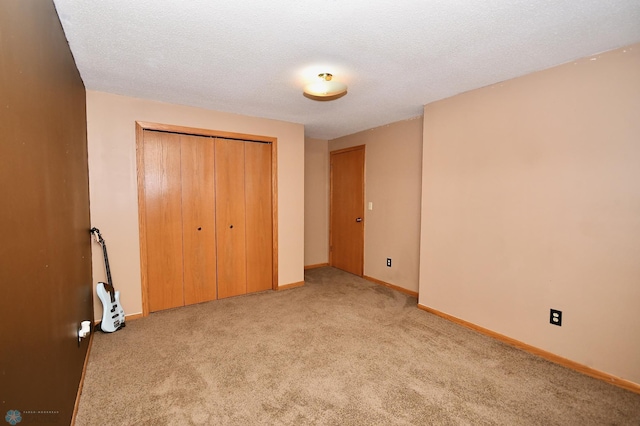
<point>258,216</point>
<point>163,219</point>
<point>230,217</point>
<point>198,218</point>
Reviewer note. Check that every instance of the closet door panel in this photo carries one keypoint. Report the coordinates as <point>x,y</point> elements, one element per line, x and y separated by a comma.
<point>163,220</point>
<point>198,219</point>
<point>259,216</point>
<point>230,217</point>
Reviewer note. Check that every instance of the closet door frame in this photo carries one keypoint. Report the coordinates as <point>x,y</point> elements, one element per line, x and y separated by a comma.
<point>141,126</point>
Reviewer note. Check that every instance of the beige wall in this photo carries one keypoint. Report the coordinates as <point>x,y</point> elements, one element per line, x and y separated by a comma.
<point>531,201</point>
<point>392,183</point>
<point>316,201</point>
<point>113,183</point>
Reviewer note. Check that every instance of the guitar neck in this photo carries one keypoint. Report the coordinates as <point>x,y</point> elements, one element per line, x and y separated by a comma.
<point>106,265</point>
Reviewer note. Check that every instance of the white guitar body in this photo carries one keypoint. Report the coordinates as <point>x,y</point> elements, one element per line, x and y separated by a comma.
<point>112,312</point>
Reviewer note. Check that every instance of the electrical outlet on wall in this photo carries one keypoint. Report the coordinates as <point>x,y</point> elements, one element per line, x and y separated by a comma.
<point>389,262</point>
<point>555,317</point>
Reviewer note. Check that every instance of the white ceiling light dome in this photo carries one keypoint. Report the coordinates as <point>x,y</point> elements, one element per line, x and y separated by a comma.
<point>325,89</point>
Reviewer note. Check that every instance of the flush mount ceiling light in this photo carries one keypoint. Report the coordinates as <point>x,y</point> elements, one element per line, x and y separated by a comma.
<point>325,89</point>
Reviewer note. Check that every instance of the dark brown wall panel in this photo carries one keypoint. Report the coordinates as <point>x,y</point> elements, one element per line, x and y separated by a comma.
<point>45,272</point>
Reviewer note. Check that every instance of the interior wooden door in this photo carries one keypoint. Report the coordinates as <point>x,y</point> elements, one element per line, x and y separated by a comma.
<point>347,210</point>
<point>230,217</point>
<point>206,215</point>
<point>198,219</point>
<point>258,216</point>
<point>163,193</point>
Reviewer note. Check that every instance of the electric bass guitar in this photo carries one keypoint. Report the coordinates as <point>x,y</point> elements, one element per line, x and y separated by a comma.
<point>112,312</point>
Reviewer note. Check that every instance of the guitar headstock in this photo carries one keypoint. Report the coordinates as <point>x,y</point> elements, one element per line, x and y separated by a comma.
<point>96,233</point>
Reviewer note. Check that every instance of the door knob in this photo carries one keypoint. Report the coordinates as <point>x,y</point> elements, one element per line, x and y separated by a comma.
<point>358,219</point>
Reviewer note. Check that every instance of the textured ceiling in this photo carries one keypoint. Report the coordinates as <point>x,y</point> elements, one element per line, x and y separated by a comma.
<point>253,57</point>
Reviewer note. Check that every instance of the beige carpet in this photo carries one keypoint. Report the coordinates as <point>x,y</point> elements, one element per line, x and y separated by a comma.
<point>338,351</point>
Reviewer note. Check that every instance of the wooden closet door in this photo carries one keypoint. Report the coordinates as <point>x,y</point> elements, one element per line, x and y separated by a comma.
<point>230,217</point>
<point>258,216</point>
<point>162,192</point>
<point>198,219</point>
